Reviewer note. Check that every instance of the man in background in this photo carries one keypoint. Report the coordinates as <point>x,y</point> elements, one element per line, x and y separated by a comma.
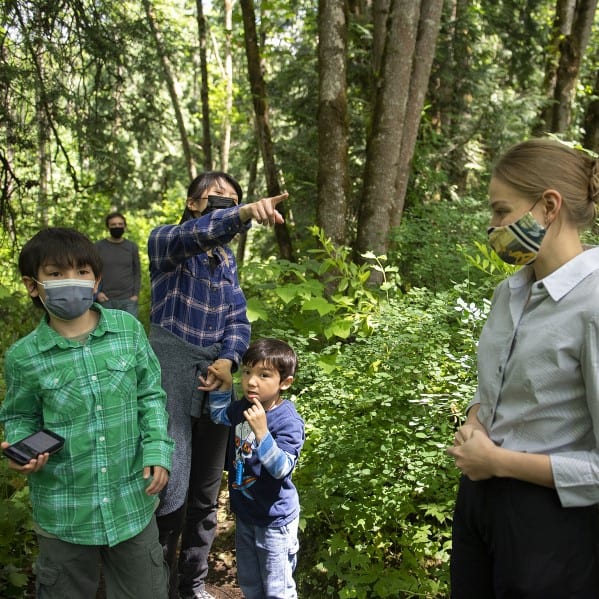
<point>122,273</point>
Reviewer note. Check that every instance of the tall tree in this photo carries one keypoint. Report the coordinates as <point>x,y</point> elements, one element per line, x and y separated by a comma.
<point>572,29</point>
<point>454,90</point>
<point>428,29</point>
<point>591,120</point>
<point>171,84</point>
<point>261,114</point>
<point>226,143</point>
<point>204,98</point>
<point>411,25</point>
<point>333,181</point>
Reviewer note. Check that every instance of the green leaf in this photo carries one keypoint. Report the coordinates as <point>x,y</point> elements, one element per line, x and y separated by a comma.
<point>256,310</point>
<point>338,328</point>
<point>328,362</point>
<point>320,304</point>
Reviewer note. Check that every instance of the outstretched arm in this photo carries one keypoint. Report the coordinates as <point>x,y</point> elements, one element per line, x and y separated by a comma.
<point>263,211</point>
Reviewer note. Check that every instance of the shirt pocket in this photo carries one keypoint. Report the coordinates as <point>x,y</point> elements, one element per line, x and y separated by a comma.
<point>61,396</point>
<point>120,377</point>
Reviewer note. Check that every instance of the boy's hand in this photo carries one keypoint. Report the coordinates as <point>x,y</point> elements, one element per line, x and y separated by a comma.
<point>256,417</point>
<point>159,479</point>
<point>218,377</point>
<point>34,465</point>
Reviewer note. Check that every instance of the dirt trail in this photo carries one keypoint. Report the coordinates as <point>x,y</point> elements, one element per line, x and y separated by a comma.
<point>222,575</point>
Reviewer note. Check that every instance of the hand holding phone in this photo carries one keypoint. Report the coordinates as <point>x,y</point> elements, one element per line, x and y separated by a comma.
<point>31,447</point>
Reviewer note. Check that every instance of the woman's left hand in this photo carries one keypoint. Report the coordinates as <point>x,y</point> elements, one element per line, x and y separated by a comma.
<point>219,373</point>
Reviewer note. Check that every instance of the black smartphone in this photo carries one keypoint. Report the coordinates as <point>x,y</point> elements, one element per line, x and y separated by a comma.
<point>30,447</point>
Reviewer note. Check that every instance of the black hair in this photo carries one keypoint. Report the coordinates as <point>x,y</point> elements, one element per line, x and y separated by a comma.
<point>112,215</point>
<point>273,352</point>
<point>202,182</point>
<point>66,248</point>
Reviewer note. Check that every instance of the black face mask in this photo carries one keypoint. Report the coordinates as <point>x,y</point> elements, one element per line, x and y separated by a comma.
<point>216,202</point>
<point>116,232</point>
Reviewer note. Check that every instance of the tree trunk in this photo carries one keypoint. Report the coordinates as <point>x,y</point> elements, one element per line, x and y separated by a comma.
<point>399,99</point>
<point>251,191</point>
<point>562,25</point>
<point>172,89</point>
<point>226,145</point>
<point>383,148</point>
<point>204,99</point>
<point>591,120</point>
<point>43,106</point>
<point>263,132</point>
<point>428,30</point>
<point>573,24</point>
<point>380,14</point>
<point>333,181</point>
<point>572,50</point>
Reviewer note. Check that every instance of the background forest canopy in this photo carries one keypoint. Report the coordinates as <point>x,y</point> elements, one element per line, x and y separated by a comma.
<point>381,118</point>
<point>363,110</point>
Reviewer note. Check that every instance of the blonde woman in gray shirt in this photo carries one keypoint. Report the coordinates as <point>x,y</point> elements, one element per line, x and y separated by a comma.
<point>525,522</point>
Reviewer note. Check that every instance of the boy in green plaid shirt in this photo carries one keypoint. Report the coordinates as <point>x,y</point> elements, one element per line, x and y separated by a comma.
<point>90,375</point>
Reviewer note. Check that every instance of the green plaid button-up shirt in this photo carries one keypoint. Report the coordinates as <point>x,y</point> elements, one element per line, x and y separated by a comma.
<point>104,397</point>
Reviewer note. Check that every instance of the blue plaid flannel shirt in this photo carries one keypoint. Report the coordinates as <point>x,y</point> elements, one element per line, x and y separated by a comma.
<point>195,287</point>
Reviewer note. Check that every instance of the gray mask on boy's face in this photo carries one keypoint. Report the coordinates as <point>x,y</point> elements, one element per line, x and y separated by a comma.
<point>67,299</point>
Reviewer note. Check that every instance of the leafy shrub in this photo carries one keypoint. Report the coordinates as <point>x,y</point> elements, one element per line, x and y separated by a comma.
<point>325,297</point>
<point>426,244</point>
<point>376,487</point>
<point>17,540</point>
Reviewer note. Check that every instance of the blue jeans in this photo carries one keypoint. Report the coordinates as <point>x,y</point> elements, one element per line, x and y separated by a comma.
<point>266,559</point>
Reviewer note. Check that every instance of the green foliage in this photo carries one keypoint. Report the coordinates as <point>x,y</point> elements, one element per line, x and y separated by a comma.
<point>325,296</point>
<point>488,262</point>
<point>426,245</point>
<point>17,540</point>
<point>376,487</point>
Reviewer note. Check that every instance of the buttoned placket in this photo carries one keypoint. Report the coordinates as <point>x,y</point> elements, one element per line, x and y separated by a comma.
<point>101,457</point>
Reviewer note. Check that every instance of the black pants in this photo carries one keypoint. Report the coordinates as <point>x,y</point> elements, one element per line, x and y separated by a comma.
<point>514,540</point>
<point>196,521</point>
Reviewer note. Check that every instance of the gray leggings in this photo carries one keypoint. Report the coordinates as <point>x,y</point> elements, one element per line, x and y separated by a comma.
<point>132,569</point>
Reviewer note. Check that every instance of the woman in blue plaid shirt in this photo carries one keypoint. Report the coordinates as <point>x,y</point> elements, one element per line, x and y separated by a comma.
<point>198,317</point>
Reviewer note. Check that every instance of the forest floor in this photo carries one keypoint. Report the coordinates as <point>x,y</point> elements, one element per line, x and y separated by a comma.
<point>222,573</point>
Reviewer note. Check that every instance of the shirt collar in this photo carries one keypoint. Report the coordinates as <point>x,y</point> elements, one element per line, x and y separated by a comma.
<point>47,337</point>
<point>560,282</point>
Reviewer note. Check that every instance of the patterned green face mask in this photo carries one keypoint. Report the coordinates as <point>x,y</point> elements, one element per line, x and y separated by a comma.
<point>519,242</point>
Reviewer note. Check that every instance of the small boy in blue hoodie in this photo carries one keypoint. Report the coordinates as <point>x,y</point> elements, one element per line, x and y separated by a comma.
<point>266,437</point>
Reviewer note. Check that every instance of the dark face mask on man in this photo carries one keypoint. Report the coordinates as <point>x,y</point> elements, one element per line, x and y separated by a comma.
<point>116,232</point>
